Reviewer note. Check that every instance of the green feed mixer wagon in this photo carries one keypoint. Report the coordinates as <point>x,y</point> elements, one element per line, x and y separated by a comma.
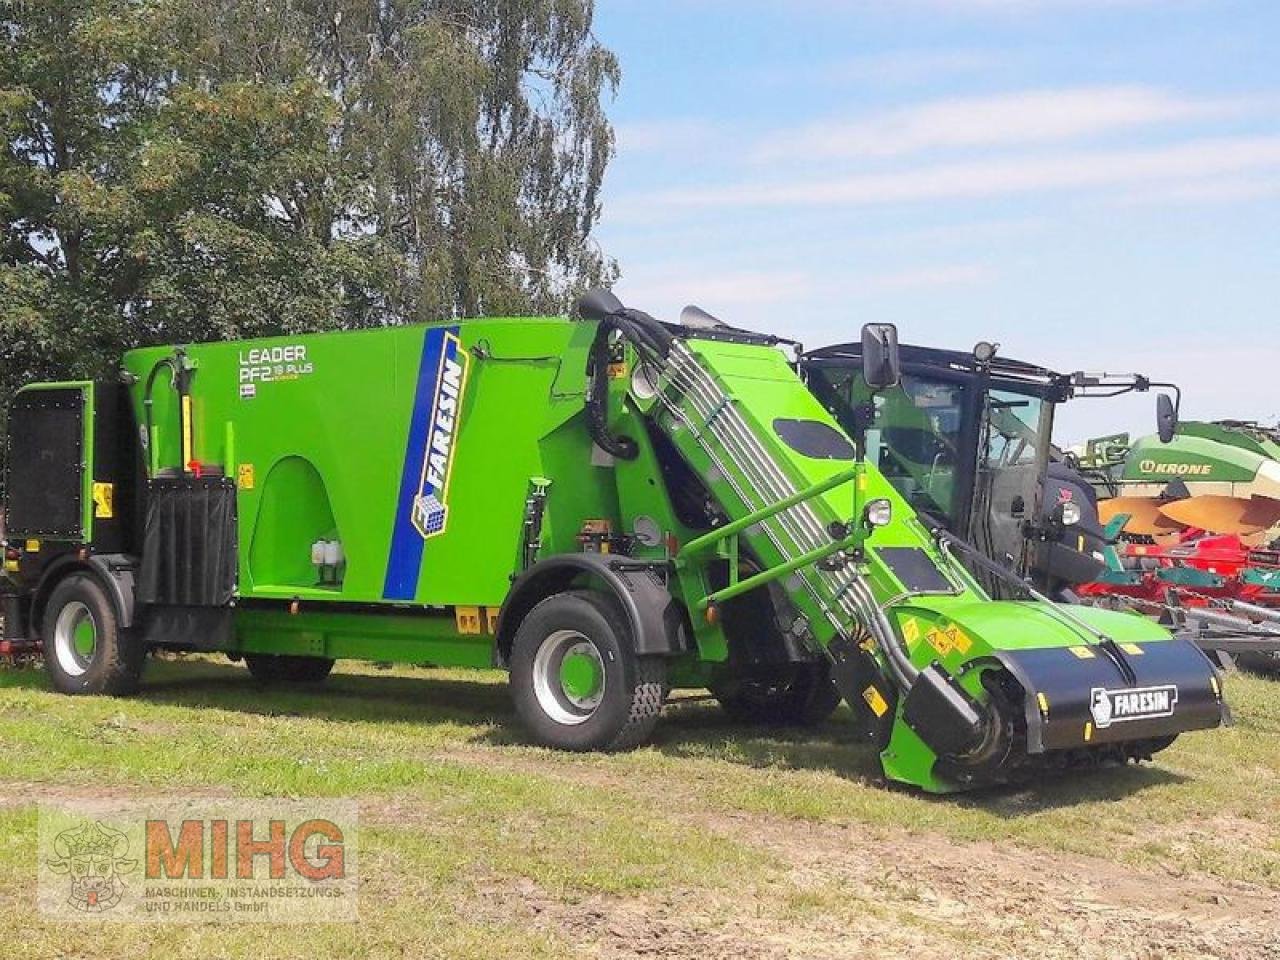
<point>607,507</point>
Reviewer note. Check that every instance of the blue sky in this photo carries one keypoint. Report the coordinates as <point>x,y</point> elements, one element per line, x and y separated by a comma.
<point>1095,184</point>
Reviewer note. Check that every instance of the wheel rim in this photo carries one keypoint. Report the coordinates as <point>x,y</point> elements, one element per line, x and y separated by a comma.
<point>75,638</point>
<point>568,677</point>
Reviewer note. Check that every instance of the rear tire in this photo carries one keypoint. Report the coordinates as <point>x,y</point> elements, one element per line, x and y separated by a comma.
<point>576,680</point>
<point>270,668</point>
<point>801,695</point>
<point>85,650</point>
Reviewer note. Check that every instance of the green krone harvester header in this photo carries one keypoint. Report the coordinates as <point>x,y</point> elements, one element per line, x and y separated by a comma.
<point>607,507</point>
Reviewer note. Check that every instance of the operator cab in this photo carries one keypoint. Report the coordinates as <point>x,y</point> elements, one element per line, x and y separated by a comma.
<point>966,439</point>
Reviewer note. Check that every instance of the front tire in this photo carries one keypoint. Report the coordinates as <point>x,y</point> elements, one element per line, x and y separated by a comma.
<point>577,682</point>
<point>270,668</point>
<point>85,650</point>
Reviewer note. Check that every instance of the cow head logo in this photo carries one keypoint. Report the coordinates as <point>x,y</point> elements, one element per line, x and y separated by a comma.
<point>93,857</point>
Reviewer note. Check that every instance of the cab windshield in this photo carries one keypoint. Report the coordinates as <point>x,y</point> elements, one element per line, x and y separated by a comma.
<point>916,443</point>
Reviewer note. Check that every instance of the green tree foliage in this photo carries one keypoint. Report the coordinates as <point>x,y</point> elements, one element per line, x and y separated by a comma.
<point>181,170</point>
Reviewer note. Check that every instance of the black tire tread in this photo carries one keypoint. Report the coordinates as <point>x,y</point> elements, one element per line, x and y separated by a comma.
<point>647,699</point>
<point>119,672</point>
<point>649,688</point>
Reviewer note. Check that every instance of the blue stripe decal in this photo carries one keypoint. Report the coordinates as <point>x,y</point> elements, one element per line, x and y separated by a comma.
<point>404,564</point>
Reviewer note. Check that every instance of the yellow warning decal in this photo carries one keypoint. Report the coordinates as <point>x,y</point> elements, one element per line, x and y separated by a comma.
<point>1088,730</point>
<point>959,639</point>
<point>32,546</point>
<point>1043,701</point>
<point>245,478</point>
<point>467,620</point>
<point>879,706</point>
<point>939,641</point>
<point>1131,648</point>
<point>11,566</point>
<point>911,630</point>
<point>1216,691</point>
<point>617,371</point>
<point>1082,653</point>
<point>104,496</point>
<point>1080,544</point>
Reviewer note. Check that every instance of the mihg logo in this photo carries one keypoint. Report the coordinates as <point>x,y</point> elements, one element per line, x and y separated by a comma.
<point>277,861</point>
<point>92,857</point>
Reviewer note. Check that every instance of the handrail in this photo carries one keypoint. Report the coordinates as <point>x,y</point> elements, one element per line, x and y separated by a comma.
<point>709,540</point>
<point>774,573</point>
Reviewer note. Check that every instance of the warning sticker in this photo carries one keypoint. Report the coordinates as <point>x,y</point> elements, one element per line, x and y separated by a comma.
<point>104,495</point>
<point>940,641</point>
<point>245,477</point>
<point>959,639</point>
<point>876,701</point>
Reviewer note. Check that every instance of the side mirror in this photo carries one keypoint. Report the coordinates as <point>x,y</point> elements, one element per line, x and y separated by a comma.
<point>881,364</point>
<point>599,305</point>
<point>1166,418</point>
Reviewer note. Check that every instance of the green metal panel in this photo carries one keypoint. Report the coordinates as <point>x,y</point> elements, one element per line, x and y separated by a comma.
<point>318,431</point>
<point>1193,458</point>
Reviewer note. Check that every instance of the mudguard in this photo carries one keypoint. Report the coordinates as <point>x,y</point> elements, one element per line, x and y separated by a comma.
<point>656,619</point>
<point>1078,697</point>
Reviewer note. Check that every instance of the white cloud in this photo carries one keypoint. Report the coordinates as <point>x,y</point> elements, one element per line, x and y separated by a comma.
<point>1211,191</point>
<point>1183,162</point>
<point>746,294</point>
<point>660,285</point>
<point>665,136</point>
<point>891,68</point>
<point>952,275</point>
<point>1025,117</point>
<point>983,6</point>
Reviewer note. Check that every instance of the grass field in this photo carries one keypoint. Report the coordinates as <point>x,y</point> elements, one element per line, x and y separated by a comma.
<point>715,841</point>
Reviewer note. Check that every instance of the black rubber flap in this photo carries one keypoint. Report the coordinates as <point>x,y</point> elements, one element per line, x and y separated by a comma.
<point>46,464</point>
<point>189,555</point>
<point>1078,697</point>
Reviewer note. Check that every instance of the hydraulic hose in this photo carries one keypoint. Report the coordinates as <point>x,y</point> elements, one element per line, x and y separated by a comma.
<point>903,671</point>
<point>652,340</point>
<point>597,406</point>
<point>148,402</point>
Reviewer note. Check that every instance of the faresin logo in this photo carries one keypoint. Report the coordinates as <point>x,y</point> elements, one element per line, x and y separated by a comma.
<point>1140,703</point>
<point>431,503</point>
<point>422,503</point>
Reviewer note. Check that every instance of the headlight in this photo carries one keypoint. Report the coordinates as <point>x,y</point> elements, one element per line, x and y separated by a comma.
<point>1070,512</point>
<point>878,513</point>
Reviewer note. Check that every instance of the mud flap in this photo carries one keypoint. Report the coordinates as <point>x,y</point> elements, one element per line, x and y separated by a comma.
<point>1077,697</point>
<point>865,688</point>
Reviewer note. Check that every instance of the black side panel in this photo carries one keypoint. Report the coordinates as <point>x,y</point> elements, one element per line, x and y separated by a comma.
<point>119,471</point>
<point>813,438</point>
<point>46,465</point>
<point>1089,703</point>
<point>913,567</point>
<point>189,557</point>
